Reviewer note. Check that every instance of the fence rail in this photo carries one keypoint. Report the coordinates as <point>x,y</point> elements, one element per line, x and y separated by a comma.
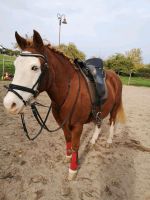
<point>7,60</point>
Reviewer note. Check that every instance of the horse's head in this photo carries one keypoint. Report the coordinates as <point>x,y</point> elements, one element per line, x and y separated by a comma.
<point>29,69</point>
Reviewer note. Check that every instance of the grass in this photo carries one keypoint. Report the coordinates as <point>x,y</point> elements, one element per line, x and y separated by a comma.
<point>136,81</point>
<point>6,57</point>
<point>9,67</point>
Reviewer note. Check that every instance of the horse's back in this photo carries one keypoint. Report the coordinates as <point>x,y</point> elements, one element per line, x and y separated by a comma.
<point>113,80</point>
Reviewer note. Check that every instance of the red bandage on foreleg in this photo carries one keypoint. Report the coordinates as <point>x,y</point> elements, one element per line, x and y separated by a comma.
<point>74,161</point>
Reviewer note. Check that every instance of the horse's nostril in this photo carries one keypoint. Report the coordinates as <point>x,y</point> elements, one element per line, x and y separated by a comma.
<point>13,105</point>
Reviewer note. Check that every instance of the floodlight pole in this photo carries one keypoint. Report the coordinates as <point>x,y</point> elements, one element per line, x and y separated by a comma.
<point>62,19</point>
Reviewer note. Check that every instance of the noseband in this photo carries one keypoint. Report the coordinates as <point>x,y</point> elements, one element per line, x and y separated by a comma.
<point>33,91</point>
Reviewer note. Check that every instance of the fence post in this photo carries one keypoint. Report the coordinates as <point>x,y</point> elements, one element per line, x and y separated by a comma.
<point>3,67</point>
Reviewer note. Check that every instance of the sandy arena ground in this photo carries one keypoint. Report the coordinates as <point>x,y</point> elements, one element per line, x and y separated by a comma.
<point>36,170</point>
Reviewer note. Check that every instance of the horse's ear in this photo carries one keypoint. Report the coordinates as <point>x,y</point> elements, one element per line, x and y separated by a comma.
<point>21,41</point>
<point>37,40</point>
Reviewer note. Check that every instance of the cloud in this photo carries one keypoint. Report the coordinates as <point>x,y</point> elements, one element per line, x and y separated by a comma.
<point>97,27</point>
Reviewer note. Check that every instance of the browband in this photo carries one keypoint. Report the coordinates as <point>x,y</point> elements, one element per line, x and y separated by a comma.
<point>33,55</point>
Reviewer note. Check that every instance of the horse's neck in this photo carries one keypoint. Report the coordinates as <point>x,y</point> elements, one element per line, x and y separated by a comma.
<point>63,72</point>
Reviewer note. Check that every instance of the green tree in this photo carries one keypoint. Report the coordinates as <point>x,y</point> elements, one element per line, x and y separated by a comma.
<point>71,51</point>
<point>135,55</point>
<point>119,63</point>
<point>147,66</point>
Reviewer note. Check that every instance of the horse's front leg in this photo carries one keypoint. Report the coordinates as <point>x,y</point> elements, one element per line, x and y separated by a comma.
<point>67,134</point>
<point>76,131</point>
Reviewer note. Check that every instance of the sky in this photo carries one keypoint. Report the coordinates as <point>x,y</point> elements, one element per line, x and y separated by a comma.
<point>98,27</point>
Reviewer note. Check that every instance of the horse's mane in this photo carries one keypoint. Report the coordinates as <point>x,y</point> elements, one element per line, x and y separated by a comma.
<point>49,46</point>
<point>59,52</point>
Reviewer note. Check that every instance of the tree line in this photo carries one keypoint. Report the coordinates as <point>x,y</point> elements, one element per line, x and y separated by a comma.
<point>128,64</point>
<point>9,52</point>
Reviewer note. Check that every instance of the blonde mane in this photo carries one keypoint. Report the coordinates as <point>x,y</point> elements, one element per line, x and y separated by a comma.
<point>55,50</point>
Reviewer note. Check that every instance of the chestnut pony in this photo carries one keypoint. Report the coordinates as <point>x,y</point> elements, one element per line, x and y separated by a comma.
<point>67,89</point>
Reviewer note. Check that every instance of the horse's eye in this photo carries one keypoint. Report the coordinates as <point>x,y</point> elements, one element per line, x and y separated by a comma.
<point>34,68</point>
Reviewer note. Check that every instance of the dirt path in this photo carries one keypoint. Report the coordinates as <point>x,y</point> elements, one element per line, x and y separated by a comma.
<point>36,170</point>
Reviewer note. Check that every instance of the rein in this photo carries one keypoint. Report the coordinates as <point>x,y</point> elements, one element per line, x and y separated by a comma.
<point>36,114</point>
<point>42,122</point>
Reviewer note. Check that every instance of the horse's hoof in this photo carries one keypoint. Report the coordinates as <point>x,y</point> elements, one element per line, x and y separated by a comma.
<point>72,174</point>
<point>92,142</point>
<point>108,144</point>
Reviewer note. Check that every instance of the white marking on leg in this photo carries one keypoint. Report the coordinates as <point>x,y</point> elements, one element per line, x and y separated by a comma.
<point>68,158</point>
<point>115,127</point>
<point>111,133</point>
<point>95,135</point>
<point>72,174</point>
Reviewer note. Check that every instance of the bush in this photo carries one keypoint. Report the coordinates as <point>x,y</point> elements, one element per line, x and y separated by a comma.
<point>71,51</point>
<point>143,72</point>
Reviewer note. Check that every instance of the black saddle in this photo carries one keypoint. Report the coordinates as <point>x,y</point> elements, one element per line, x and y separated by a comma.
<point>93,70</point>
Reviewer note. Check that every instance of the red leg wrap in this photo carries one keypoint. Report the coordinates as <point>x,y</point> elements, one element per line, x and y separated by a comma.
<point>68,149</point>
<point>74,161</point>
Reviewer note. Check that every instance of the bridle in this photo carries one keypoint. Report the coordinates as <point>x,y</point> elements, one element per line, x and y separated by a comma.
<point>33,91</point>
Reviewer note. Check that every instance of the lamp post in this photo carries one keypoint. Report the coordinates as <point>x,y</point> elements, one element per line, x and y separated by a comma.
<point>62,19</point>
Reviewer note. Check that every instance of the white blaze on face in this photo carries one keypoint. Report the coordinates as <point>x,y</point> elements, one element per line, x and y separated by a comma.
<point>24,76</point>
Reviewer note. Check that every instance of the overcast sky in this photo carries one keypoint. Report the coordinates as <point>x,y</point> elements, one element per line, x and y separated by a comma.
<point>98,27</point>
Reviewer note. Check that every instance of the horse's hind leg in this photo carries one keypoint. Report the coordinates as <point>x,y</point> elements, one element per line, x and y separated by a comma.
<point>116,115</point>
<point>113,125</point>
<point>112,130</point>
<point>96,134</point>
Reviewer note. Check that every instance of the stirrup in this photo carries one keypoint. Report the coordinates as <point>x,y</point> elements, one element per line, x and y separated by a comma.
<point>98,119</point>
<point>97,116</point>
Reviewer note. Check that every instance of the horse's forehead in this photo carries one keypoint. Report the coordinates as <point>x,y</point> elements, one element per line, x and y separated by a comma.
<point>26,61</point>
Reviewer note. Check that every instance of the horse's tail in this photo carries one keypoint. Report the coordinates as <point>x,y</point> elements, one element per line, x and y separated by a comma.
<point>121,117</point>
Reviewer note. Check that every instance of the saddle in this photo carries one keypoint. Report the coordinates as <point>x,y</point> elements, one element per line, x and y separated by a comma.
<point>92,70</point>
